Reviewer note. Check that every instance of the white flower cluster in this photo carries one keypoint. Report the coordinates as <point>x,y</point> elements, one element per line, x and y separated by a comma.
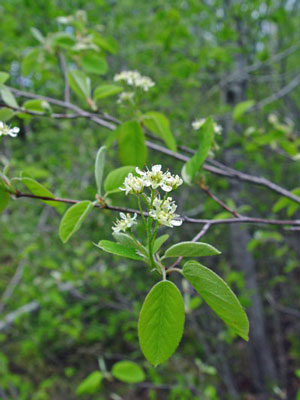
<point>163,211</point>
<point>6,130</point>
<point>134,78</point>
<point>125,96</point>
<point>126,222</point>
<point>152,179</point>
<point>200,122</point>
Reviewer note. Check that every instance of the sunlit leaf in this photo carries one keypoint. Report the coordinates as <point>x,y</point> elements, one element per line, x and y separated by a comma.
<point>194,164</point>
<point>161,322</point>
<point>90,385</point>
<point>158,124</point>
<point>119,250</point>
<point>73,219</point>
<point>132,147</point>
<point>128,371</point>
<point>191,249</point>
<point>99,168</point>
<point>218,295</point>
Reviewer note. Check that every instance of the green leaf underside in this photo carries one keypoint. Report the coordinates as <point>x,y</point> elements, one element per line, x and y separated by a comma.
<point>132,148</point>
<point>125,240</point>
<point>3,77</point>
<point>91,384</point>
<point>119,250</point>
<point>161,322</point>
<point>103,91</point>
<point>73,218</point>
<point>218,295</point>
<point>8,97</point>
<point>36,105</point>
<point>158,124</point>
<point>99,168</point>
<point>191,249</point>
<point>94,64</point>
<point>80,83</point>
<point>4,198</point>
<point>159,242</point>
<point>128,371</point>
<point>39,190</point>
<point>6,114</point>
<point>194,164</point>
<point>115,179</point>
<point>241,108</point>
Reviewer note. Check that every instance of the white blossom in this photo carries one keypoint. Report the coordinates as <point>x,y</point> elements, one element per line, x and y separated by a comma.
<point>198,123</point>
<point>155,178</point>
<point>125,96</point>
<point>133,184</point>
<point>134,78</point>
<point>7,130</point>
<point>163,211</point>
<point>126,222</point>
<point>171,182</point>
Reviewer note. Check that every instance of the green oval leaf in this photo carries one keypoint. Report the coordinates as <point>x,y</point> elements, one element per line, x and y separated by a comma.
<point>91,384</point>
<point>6,114</point>
<point>194,164</point>
<point>8,97</point>
<point>39,190</point>
<point>191,249</point>
<point>218,296</point>
<point>37,105</point>
<point>132,148</point>
<point>128,371</point>
<point>80,83</point>
<point>158,124</point>
<point>99,168</point>
<point>126,240</point>
<point>108,44</point>
<point>63,40</point>
<point>31,61</point>
<point>115,178</point>
<point>103,91</point>
<point>73,218</point>
<point>4,198</point>
<point>161,322</point>
<point>159,242</point>
<point>240,109</point>
<point>3,77</point>
<point>94,64</point>
<point>119,250</point>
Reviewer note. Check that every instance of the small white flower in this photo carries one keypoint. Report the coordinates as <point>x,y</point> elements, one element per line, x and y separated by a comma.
<point>134,78</point>
<point>152,178</point>
<point>125,223</point>
<point>125,96</point>
<point>198,123</point>
<point>6,130</point>
<point>163,211</point>
<point>133,184</point>
<point>155,178</point>
<point>171,182</point>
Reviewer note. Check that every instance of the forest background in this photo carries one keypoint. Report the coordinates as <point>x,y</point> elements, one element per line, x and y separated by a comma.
<point>68,310</point>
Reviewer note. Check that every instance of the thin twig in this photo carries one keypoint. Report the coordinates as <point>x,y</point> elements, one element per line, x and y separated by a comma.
<point>195,239</point>
<point>110,123</point>
<point>242,219</point>
<point>218,201</point>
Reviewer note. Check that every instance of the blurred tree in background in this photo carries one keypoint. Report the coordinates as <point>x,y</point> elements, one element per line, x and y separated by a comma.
<point>68,311</point>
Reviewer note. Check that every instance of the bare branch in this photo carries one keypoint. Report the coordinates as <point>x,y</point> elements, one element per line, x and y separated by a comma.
<point>218,168</point>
